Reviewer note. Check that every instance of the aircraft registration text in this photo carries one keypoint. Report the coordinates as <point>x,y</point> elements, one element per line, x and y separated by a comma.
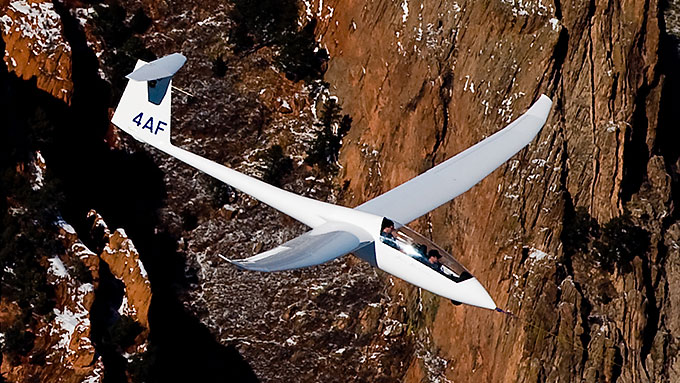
<point>149,124</point>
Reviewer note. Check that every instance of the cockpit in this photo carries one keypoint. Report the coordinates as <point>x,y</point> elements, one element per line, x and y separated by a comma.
<point>423,250</point>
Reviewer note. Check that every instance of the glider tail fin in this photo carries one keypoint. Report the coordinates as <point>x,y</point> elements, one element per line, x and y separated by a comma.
<point>144,109</point>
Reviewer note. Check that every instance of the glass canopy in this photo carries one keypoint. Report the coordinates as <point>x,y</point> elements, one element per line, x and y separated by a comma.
<point>423,250</point>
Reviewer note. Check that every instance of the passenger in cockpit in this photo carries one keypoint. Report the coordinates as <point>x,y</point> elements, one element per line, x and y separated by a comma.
<point>433,257</point>
<point>387,234</point>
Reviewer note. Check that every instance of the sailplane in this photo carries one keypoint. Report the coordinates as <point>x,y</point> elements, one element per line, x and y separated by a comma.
<point>373,231</point>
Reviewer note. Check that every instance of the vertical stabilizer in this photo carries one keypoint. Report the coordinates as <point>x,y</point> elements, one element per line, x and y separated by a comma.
<point>144,109</point>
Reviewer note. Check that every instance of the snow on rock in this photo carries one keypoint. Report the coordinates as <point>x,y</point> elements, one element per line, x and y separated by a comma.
<point>98,221</point>
<point>530,7</point>
<point>126,309</point>
<point>65,226</point>
<point>123,260</point>
<point>393,328</point>
<point>142,270</point>
<point>70,329</point>
<point>67,321</point>
<point>83,14</point>
<point>38,22</point>
<point>35,46</point>
<point>82,251</point>
<point>537,255</point>
<point>57,268</point>
<point>97,374</point>
<point>404,8</point>
<point>554,23</point>
<point>39,168</point>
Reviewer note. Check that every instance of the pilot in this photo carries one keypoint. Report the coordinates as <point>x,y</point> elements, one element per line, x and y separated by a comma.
<point>387,233</point>
<point>433,257</point>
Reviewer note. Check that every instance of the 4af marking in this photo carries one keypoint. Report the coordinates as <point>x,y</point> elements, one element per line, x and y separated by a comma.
<point>149,123</point>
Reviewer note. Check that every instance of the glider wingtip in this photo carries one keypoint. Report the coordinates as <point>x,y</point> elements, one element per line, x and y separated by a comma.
<point>541,108</point>
<point>235,263</point>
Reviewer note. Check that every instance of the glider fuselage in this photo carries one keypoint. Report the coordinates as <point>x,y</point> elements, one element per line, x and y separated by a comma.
<point>406,257</point>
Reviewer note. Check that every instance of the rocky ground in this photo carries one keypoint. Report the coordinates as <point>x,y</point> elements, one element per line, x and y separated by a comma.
<point>577,235</point>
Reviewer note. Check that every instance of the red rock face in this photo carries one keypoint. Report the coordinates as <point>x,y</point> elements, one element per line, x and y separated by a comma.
<point>65,338</point>
<point>421,82</point>
<point>123,260</point>
<point>63,348</point>
<point>425,80</point>
<point>35,46</point>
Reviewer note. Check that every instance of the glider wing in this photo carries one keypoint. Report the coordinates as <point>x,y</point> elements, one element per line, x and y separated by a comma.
<point>322,244</point>
<point>456,175</point>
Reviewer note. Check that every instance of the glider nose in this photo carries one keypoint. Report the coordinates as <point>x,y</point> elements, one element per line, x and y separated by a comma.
<point>478,296</point>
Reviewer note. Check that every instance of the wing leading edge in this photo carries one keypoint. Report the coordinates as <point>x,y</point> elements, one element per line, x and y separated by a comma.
<point>322,244</point>
<point>456,175</point>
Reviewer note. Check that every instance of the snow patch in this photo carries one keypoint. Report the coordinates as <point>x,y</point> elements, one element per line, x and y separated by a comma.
<point>537,254</point>
<point>81,251</point>
<point>506,109</point>
<point>142,270</point>
<point>83,15</point>
<point>66,226</point>
<point>404,8</point>
<point>126,309</point>
<point>299,314</point>
<point>67,321</point>
<point>38,166</point>
<point>38,23</point>
<point>529,7</point>
<point>210,21</point>
<point>6,24</point>
<point>57,268</point>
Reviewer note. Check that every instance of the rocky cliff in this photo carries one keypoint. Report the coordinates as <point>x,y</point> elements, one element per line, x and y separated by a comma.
<point>576,236</point>
<point>35,46</point>
<point>438,77</point>
<point>63,349</point>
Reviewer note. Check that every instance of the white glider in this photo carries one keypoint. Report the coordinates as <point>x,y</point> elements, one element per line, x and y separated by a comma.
<point>372,230</point>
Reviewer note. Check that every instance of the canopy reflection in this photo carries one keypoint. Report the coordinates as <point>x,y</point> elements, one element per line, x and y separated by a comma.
<point>420,248</point>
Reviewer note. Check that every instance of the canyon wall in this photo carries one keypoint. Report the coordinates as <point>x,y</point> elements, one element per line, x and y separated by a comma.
<point>425,80</point>
<point>421,81</point>
<point>35,46</point>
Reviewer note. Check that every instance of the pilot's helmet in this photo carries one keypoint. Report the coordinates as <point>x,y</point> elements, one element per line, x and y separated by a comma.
<point>434,253</point>
<point>386,223</point>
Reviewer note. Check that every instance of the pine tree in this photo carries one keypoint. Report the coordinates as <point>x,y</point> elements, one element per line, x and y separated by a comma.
<point>326,147</point>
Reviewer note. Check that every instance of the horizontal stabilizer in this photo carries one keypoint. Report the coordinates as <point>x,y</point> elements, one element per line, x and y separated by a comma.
<point>325,243</point>
<point>163,67</point>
